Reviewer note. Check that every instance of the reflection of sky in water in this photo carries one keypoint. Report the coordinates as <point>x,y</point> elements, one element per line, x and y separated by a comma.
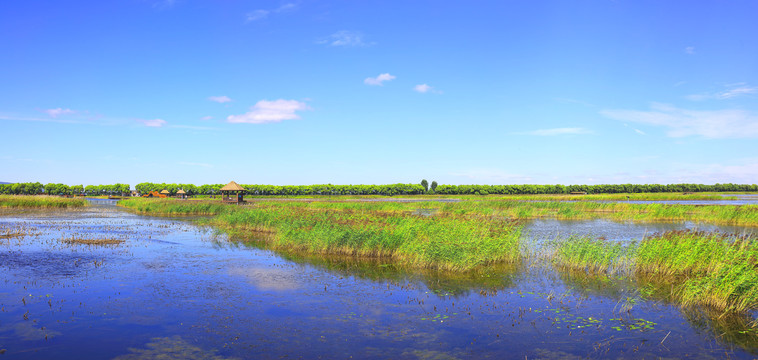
<point>267,279</point>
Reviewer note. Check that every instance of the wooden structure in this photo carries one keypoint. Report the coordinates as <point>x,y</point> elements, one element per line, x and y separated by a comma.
<point>165,192</point>
<point>154,194</point>
<point>182,193</point>
<point>232,193</point>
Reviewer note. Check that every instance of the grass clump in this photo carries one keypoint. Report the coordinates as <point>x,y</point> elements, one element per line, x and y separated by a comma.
<point>174,206</point>
<point>700,268</point>
<point>40,201</point>
<point>712,269</point>
<point>441,242</point>
<point>590,254</point>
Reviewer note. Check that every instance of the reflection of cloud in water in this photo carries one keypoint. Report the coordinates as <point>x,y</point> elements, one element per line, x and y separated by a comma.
<point>268,279</point>
<point>170,348</point>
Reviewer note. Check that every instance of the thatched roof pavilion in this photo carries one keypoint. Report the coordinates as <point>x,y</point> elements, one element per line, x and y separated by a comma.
<point>182,193</point>
<point>165,192</point>
<point>229,191</point>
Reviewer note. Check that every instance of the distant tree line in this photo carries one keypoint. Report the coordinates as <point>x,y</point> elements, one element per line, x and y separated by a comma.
<point>589,189</point>
<point>37,188</point>
<point>390,189</point>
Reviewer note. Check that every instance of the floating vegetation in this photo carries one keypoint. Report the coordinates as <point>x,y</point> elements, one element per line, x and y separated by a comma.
<point>92,241</point>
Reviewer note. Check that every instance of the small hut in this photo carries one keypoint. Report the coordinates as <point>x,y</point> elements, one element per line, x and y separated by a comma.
<point>182,193</point>
<point>165,192</point>
<point>232,193</point>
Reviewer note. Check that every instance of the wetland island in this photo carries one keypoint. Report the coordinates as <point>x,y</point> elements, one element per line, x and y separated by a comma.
<point>418,274</point>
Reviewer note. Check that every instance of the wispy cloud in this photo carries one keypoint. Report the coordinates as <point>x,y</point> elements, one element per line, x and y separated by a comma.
<point>54,113</point>
<point>715,124</point>
<point>379,80</point>
<point>260,14</point>
<point>424,88</point>
<point>265,111</point>
<point>556,132</point>
<point>220,99</point>
<point>640,132</point>
<point>153,123</point>
<point>733,91</point>
<point>690,50</point>
<point>206,118</point>
<point>344,38</point>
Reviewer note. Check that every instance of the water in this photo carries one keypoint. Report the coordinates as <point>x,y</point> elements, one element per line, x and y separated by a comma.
<point>176,289</point>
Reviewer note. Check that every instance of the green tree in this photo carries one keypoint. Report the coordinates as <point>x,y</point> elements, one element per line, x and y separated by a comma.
<point>434,186</point>
<point>425,184</point>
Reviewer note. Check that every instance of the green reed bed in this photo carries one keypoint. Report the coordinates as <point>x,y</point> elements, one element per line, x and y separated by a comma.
<point>40,201</point>
<point>594,255</point>
<point>700,268</point>
<point>175,206</point>
<point>442,242</point>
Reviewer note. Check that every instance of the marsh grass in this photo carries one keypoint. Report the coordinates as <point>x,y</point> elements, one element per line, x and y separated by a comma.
<point>711,269</point>
<point>40,201</point>
<point>174,206</point>
<point>442,242</point>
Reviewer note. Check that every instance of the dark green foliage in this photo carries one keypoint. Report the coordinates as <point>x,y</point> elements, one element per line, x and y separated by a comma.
<point>425,184</point>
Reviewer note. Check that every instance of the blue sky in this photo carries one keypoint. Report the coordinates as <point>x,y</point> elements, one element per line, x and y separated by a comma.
<point>377,92</point>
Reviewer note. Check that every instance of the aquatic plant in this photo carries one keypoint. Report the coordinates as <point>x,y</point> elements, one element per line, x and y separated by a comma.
<point>700,268</point>
<point>40,201</point>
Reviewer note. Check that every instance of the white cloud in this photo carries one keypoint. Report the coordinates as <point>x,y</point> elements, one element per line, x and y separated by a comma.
<point>424,88</point>
<point>690,50</point>
<point>220,99</point>
<point>742,90</point>
<point>379,80</point>
<point>265,111</point>
<point>206,118</point>
<point>734,91</point>
<point>557,131</point>
<point>638,131</point>
<point>153,123</point>
<point>344,38</point>
<point>715,124</point>
<point>59,111</point>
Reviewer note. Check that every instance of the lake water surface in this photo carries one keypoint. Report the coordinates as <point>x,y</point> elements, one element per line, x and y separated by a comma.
<point>176,289</point>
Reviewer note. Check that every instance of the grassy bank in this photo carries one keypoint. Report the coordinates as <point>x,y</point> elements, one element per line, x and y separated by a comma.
<point>40,201</point>
<point>699,268</point>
